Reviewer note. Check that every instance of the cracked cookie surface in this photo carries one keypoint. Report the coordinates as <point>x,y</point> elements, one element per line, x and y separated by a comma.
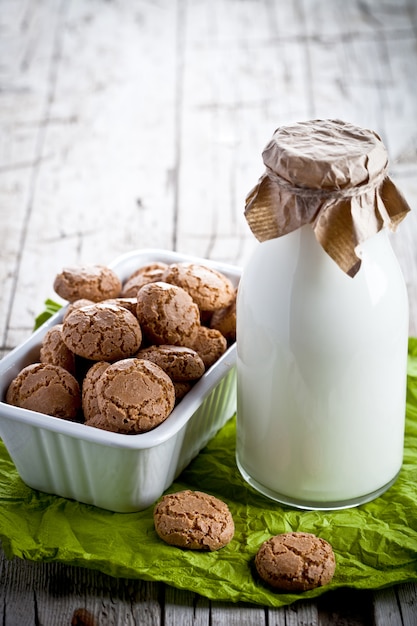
<point>89,399</point>
<point>295,561</point>
<point>102,332</point>
<point>93,282</point>
<point>167,314</point>
<point>224,320</point>
<point>193,520</point>
<point>210,344</point>
<point>54,350</point>
<point>150,273</point>
<point>180,363</point>
<point>209,288</point>
<point>46,388</point>
<point>133,396</point>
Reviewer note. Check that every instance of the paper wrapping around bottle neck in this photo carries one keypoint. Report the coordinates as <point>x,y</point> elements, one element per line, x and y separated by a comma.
<point>329,174</point>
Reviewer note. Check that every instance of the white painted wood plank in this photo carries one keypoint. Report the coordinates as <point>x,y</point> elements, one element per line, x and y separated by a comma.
<point>386,609</point>
<point>400,103</point>
<point>27,38</point>
<point>51,593</point>
<point>358,19</point>
<point>295,614</point>
<point>223,614</point>
<point>108,182</point>
<point>183,608</point>
<point>407,597</point>
<point>232,100</point>
<point>302,613</point>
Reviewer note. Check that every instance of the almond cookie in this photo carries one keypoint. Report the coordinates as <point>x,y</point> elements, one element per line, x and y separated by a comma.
<point>210,345</point>
<point>209,288</point>
<point>193,520</point>
<point>98,421</point>
<point>45,388</point>
<point>127,303</point>
<point>89,400</point>
<point>224,320</point>
<point>102,332</point>
<point>134,396</point>
<point>180,363</point>
<point>77,304</point>
<point>93,282</point>
<point>54,350</point>
<point>295,561</point>
<point>181,389</point>
<point>150,273</point>
<point>167,314</point>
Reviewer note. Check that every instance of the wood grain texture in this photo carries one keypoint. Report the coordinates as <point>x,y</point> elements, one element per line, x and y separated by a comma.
<point>141,124</point>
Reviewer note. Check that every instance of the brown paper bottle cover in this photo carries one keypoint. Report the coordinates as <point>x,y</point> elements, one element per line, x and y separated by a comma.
<point>332,175</point>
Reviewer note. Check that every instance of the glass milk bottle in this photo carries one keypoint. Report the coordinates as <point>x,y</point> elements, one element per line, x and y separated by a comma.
<point>322,322</point>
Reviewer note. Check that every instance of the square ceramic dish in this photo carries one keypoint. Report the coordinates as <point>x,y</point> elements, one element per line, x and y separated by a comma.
<point>122,473</point>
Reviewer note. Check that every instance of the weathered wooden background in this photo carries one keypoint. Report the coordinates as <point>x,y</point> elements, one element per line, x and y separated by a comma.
<point>137,123</point>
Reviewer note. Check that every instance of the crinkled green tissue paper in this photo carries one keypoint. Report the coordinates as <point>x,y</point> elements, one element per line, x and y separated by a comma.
<point>375,544</point>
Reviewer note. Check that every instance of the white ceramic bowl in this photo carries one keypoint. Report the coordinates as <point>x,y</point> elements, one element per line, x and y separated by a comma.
<point>110,470</point>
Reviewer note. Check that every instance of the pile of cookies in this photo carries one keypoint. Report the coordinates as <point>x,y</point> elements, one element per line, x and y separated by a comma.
<point>292,561</point>
<point>127,352</point>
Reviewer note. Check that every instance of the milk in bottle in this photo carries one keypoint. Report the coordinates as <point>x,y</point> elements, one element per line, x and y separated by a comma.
<point>322,322</point>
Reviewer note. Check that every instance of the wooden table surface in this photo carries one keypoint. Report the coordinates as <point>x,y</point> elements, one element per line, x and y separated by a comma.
<point>136,123</point>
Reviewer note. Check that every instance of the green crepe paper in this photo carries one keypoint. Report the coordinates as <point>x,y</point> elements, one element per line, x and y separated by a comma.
<point>375,544</point>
